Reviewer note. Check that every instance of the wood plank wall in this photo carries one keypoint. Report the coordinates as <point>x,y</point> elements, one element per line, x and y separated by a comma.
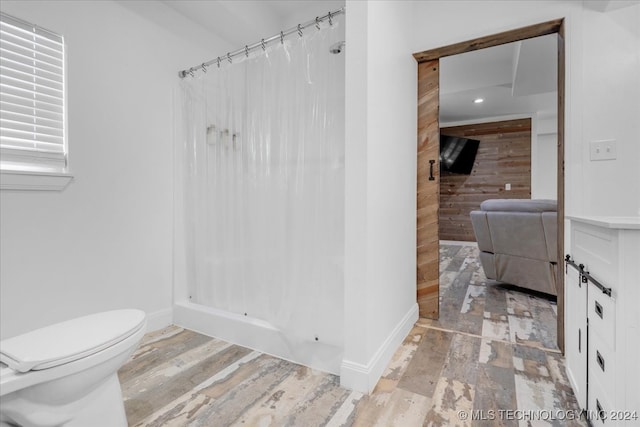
<point>504,156</point>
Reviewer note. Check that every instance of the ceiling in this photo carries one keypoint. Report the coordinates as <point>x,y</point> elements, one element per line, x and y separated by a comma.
<point>243,22</point>
<point>517,78</point>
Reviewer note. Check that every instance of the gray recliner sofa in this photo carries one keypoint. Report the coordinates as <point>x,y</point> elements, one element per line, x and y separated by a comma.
<point>517,239</point>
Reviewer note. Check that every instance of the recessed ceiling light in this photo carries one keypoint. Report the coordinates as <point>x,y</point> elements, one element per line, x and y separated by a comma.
<point>478,101</point>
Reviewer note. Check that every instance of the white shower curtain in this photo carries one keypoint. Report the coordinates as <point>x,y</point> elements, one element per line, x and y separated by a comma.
<point>262,155</point>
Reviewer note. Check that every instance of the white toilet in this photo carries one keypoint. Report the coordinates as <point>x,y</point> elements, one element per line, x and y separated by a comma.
<point>66,374</point>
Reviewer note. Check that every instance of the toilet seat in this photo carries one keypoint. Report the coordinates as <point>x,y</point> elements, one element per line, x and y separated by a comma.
<point>68,341</point>
<point>70,373</point>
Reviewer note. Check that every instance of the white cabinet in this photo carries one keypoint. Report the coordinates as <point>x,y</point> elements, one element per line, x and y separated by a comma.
<point>602,328</point>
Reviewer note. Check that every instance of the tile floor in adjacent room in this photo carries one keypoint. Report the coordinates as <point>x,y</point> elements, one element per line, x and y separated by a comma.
<point>492,351</point>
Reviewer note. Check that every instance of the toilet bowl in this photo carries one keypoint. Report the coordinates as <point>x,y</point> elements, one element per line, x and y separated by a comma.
<point>66,374</point>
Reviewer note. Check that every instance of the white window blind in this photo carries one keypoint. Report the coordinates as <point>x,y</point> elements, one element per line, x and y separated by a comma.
<point>32,97</point>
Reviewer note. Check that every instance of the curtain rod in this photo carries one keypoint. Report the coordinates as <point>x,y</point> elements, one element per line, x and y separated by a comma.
<point>262,43</point>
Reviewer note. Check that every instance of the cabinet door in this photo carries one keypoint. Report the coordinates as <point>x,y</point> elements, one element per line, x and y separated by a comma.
<point>576,333</point>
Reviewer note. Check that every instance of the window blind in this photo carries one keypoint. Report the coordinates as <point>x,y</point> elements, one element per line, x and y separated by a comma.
<point>32,96</point>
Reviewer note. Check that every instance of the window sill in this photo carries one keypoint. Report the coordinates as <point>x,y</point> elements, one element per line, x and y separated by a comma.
<point>32,180</point>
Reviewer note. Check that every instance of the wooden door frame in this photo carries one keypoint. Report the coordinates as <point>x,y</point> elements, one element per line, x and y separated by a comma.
<point>545,28</point>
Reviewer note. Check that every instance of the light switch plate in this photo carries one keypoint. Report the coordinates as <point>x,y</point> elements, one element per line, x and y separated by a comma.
<point>603,150</point>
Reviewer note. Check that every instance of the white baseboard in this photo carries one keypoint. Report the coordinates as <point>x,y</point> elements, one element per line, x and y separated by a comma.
<point>364,377</point>
<point>159,319</point>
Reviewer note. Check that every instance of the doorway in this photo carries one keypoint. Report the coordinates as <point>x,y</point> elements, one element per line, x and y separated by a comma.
<point>428,183</point>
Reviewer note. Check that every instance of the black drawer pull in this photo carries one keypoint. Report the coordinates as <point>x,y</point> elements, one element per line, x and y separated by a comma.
<point>599,309</point>
<point>601,414</point>
<point>600,360</point>
<point>579,340</point>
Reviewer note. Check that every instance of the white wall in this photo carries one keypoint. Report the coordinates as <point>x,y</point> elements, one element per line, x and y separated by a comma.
<point>602,87</point>
<point>106,241</point>
<point>611,110</point>
<point>380,168</point>
<point>544,185</point>
<point>544,159</point>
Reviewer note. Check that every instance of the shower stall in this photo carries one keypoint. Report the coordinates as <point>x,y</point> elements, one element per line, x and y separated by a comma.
<point>259,196</point>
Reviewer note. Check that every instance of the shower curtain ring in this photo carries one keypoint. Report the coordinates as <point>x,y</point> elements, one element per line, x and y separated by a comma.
<point>317,23</point>
<point>204,67</point>
<point>246,50</point>
<point>299,30</point>
<point>191,72</point>
<point>218,62</point>
<point>263,45</point>
<point>330,20</point>
<point>229,58</point>
<point>281,37</point>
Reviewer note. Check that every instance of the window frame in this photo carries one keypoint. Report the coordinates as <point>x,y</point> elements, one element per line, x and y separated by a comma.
<point>39,170</point>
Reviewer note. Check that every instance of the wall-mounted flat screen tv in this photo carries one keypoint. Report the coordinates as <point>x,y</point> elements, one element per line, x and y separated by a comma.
<point>457,154</point>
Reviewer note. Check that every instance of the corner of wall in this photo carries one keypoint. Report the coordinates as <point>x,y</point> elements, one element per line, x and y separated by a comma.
<point>364,377</point>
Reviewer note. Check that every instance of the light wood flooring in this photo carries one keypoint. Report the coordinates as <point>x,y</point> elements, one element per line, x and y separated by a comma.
<point>492,351</point>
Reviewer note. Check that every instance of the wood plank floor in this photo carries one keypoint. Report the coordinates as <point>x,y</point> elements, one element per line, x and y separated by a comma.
<point>492,350</point>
